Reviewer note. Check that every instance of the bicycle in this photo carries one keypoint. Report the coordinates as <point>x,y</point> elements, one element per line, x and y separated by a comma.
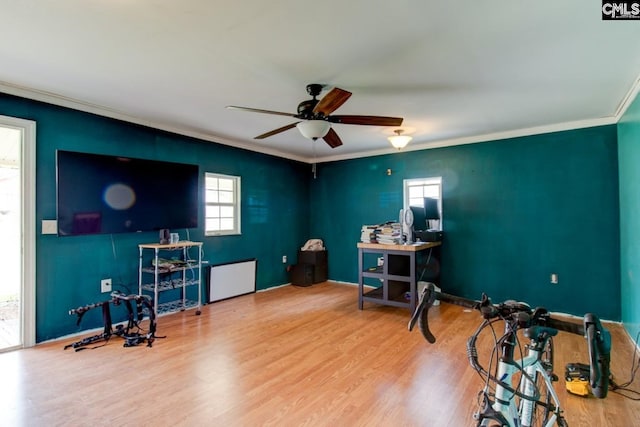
<point>519,392</point>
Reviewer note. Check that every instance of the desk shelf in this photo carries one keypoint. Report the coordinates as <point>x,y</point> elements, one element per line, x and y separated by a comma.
<point>397,274</point>
<point>397,292</point>
<point>376,275</point>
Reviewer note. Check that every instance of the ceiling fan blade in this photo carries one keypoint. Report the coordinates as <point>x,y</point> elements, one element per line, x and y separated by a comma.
<point>332,139</point>
<point>366,120</point>
<point>331,101</point>
<point>258,110</point>
<point>275,131</point>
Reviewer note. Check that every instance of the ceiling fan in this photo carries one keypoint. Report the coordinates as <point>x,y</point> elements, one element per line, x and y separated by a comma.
<point>315,117</point>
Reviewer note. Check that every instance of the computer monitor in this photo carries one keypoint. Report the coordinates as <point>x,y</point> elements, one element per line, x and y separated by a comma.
<point>419,218</point>
<point>431,208</point>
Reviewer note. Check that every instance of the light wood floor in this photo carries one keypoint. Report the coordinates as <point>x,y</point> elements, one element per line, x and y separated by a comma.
<point>287,357</point>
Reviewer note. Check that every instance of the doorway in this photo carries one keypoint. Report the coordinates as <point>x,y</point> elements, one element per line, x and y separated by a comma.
<point>17,231</point>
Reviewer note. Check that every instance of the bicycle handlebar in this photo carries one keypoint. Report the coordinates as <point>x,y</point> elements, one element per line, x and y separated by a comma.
<point>598,338</point>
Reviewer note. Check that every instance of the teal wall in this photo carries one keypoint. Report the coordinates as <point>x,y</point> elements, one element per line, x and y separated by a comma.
<point>275,211</point>
<point>515,211</point>
<point>629,154</point>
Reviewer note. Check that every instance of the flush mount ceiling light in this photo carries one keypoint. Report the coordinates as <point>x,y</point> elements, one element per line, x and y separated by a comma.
<point>399,140</point>
<point>313,129</point>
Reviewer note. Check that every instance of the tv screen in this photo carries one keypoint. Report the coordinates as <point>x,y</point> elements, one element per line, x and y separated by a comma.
<point>110,194</point>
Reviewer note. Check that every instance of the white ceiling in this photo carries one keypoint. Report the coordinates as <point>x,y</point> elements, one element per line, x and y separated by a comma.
<point>457,71</point>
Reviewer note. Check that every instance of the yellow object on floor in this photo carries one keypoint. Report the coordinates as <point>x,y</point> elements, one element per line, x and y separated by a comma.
<point>577,379</point>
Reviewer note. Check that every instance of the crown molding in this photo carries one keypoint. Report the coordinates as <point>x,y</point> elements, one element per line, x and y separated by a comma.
<point>413,146</point>
<point>628,99</point>
<point>74,104</point>
<point>496,136</point>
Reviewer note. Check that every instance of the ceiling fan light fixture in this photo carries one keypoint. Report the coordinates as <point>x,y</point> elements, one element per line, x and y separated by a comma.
<point>314,129</point>
<point>399,140</point>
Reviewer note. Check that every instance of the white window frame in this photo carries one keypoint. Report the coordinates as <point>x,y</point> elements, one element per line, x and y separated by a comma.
<point>235,204</point>
<point>417,182</point>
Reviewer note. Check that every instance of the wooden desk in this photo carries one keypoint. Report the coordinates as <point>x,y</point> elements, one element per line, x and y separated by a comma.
<point>397,274</point>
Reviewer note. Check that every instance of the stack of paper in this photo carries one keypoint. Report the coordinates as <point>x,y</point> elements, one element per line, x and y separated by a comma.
<point>390,234</point>
<point>368,234</point>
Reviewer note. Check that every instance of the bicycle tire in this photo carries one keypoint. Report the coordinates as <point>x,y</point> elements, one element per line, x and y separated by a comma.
<point>541,411</point>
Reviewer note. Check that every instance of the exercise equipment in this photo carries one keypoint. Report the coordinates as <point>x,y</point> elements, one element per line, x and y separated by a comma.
<point>131,333</point>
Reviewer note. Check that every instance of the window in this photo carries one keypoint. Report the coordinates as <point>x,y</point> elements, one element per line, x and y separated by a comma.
<point>222,204</point>
<point>415,190</point>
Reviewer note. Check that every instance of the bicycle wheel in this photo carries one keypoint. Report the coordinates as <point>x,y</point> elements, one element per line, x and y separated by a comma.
<point>541,408</point>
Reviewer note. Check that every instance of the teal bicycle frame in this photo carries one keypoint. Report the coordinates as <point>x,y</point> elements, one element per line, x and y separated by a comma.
<point>517,408</point>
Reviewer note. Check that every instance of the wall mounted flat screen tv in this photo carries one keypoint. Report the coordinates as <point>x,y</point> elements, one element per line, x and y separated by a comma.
<point>99,194</point>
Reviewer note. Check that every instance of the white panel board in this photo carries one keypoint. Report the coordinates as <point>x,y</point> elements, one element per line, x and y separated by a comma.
<point>231,279</point>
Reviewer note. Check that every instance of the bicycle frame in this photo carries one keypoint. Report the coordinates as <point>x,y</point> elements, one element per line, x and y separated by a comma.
<point>505,403</point>
<point>504,408</point>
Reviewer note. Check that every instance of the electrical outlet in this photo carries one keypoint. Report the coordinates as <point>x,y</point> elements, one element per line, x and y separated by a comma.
<point>49,226</point>
<point>105,285</point>
<point>284,259</point>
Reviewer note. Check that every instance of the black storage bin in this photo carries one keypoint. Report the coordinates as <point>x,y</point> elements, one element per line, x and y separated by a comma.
<point>318,259</point>
<point>302,275</point>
